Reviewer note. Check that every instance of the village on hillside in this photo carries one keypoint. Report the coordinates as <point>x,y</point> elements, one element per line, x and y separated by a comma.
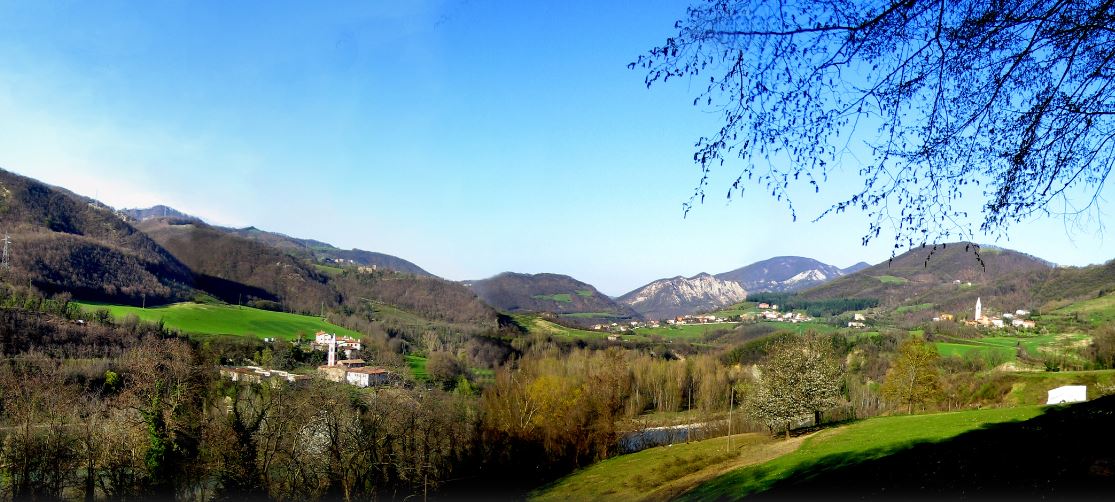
<point>355,372</point>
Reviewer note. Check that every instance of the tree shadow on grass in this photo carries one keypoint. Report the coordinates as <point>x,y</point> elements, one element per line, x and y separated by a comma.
<point>1066,453</point>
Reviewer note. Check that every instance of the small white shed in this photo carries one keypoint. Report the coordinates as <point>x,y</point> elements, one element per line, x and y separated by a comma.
<point>1068,394</point>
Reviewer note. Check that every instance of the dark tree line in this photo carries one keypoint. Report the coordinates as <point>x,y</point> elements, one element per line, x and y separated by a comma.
<point>817,308</point>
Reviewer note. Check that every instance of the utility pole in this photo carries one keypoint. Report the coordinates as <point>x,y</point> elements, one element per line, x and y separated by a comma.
<point>6,262</point>
<point>731,404</point>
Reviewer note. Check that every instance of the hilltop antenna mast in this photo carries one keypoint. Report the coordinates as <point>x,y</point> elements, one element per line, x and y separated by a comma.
<point>6,262</point>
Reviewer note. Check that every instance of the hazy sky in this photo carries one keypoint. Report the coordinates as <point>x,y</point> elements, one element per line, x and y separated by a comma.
<point>468,137</point>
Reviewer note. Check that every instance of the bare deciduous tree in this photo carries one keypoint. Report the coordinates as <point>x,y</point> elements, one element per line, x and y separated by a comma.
<point>1009,103</point>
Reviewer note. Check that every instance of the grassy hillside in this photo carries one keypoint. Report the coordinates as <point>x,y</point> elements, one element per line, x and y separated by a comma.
<point>858,442</point>
<point>1065,453</point>
<point>663,472</point>
<point>239,270</point>
<point>930,276</point>
<point>554,293</point>
<point>215,319</point>
<point>757,461</point>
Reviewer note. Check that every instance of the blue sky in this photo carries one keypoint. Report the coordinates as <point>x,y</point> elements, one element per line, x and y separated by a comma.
<point>469,137</point>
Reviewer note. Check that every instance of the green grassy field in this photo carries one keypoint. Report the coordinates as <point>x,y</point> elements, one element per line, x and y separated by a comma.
<point>737,310</point>
<point>417,365</point>
<point>656,473</point>
<point>890,279</point>
<point>220,319</point>
<point>560,297</point>
<point>538,326</point>
<point>867,439</point>
<point>1096,311</point>
<point>1005,348</point>
<point>913,308</point>
<point>591,315</point>
<point>986,351</point>
<point>328,270</point>
<point>584,293</point>
<point>687,332</point>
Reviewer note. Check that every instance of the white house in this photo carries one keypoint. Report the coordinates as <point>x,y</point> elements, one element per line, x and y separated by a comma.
<point>366,377</point>
<point>1068,394</point>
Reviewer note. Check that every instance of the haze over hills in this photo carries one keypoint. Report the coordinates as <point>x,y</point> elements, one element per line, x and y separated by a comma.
<point>676,296</point>
<point>156,211</point>
<point>554,293</point>
<point>303,248</point>
<point>325,252</point>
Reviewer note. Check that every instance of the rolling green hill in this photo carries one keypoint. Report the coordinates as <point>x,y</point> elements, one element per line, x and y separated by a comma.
<point>558,294</point>
<point>1056,452</point>
<point>756,462</point>
<point>219,319</point>
<point>940,277</point>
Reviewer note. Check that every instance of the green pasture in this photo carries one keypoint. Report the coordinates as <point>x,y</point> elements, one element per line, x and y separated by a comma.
<point>891,279</point>
<point>584,293</point>
<point>1005,348</point>
<point>686,332</point>
<point>638,476</point>
<point>417,365</point>
<point>913,308</point>
<point>591,315</point>
<point>867,439</point>
<point>1096,311</point>
<point>328,270</point>
<point>737,310</point>
<point>220,319</point>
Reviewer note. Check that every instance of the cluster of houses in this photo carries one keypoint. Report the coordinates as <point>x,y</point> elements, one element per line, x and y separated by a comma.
<point>981,319</point>
<point>256,374</point>
<point>769,312</point>
<point>351,371</point>
<point>616,327</point>
<point>680,320</point>
<point>857,321</point>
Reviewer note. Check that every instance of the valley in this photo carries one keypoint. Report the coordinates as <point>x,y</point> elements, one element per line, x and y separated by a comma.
<point>545,367</point>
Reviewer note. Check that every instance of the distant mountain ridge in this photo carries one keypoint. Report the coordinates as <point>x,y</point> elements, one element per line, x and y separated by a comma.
<point>325,252</point>
<point>302,248</point>
<point>786,274</point>
<point>666,298</point>
<point>949,277</point>
<point>548,293</point>
<point>156,211</point>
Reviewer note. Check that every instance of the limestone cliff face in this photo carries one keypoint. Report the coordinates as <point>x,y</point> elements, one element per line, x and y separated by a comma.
<point>667,298</point>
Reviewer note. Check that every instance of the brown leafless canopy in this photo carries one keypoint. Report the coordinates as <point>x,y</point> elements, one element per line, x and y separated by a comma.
<point>1009,103</point>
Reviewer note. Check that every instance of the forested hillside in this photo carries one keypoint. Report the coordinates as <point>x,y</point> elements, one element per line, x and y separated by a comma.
<point>241,270</point>
<point>63,242</point>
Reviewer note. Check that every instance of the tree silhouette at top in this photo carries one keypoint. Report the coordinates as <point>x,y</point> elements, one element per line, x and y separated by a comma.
<point>1010,104</point>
